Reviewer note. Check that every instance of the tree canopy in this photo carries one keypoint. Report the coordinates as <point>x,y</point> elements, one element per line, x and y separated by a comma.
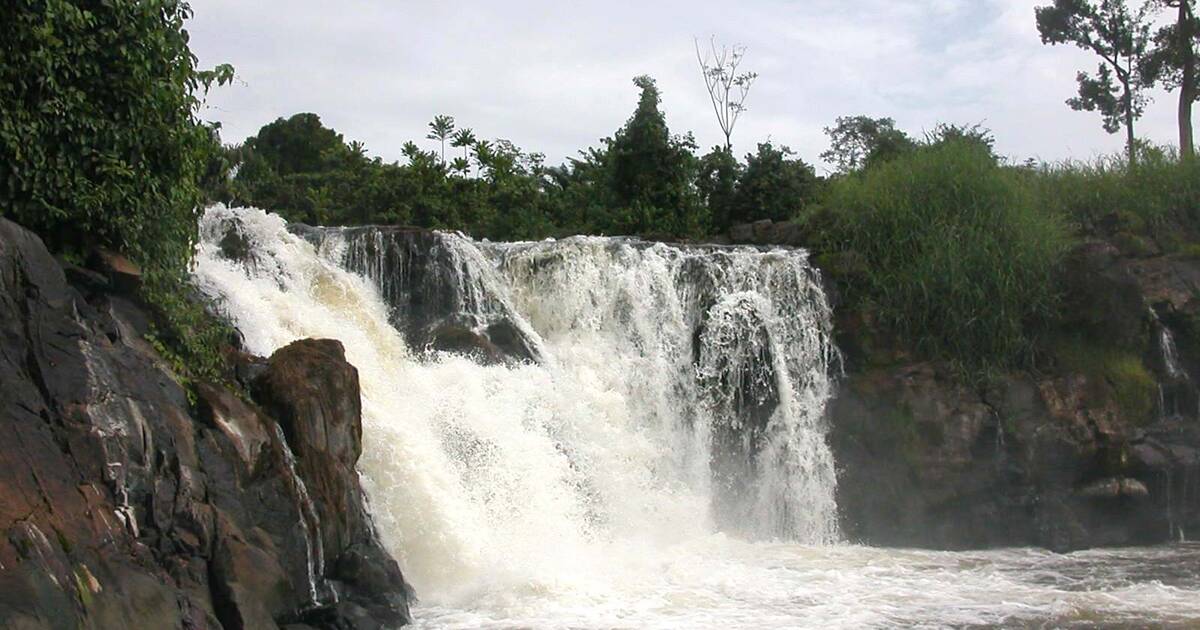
<point>1174,63</point>
<point>101,144</point>
<point>1117,33</point>
<point>858,141</point>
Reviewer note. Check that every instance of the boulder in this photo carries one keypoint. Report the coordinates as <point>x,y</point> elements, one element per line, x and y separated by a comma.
<point>314,393</point>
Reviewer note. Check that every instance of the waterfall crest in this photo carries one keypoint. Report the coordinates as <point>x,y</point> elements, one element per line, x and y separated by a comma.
<point>621,399</point>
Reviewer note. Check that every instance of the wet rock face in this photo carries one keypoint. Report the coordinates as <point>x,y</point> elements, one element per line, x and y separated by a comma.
<point>1061,459</point>
<point>123,505</point>
<point>438,300</point>
<point>1052,461</point>
<point>734,361</point>
<point>314,393</point>
<point>926,461</point>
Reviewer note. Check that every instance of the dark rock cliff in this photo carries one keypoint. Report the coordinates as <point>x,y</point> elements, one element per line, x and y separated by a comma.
<point>125,504</point>
<point>1101,447</point>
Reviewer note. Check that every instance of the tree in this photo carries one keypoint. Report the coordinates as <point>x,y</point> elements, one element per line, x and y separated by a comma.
<point>1173,63</point>
<point>460,165</point>
<point>299,144</point>
<point>717,182</point>
<point>483,152</point>
<point>101,144</point>
<point>773,185</point>
<point>441,129</point>
<point>727,89</point>
<point>859,141</point>
<point>100,148</point>
<point>652,171</point>
<point>1120,37</point>
<point>463,139</point>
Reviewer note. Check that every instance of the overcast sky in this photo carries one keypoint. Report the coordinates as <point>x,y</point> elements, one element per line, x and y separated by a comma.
<point>555,76</point>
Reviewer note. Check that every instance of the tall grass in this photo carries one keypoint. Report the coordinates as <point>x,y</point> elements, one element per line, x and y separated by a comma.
<point>959,258</point>
<point>1158,198</point>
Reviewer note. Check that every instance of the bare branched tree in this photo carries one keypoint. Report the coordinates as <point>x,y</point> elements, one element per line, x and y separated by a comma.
<point>726,87</point>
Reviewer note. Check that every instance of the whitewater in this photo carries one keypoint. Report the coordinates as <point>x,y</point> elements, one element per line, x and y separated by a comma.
<point>657,460</point>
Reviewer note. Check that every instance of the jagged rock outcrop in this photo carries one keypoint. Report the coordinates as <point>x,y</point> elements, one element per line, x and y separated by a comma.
<point>314,393</point>
<point>125,505</point>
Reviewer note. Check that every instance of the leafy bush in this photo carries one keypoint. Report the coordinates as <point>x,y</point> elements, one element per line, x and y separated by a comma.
<point>959,259</point>
<point>773,185</point>
<point>99,140</point>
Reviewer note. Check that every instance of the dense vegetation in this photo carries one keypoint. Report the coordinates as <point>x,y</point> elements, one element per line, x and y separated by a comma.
<point>959,256</point>
<point>100,144</point>
<point>641,180</point>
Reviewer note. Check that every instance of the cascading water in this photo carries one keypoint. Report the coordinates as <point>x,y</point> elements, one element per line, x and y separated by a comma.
<point>634,437</point>
<point>671,397</point>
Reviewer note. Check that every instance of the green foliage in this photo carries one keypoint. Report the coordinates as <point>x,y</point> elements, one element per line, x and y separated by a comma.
<point>99,140</point>
<point>464,139</point>
<point>99,143</point>
<point>1120,37</point>
<point>300,144</point>
<point>642,180</point>
<point>1158,198</point>
<point>976,135</point>
<point>652,172</point>
<point>856,142</point>
<point>717,181</point>
<point>773,185</point>
<point>441,129</point>
<point>959,258</point>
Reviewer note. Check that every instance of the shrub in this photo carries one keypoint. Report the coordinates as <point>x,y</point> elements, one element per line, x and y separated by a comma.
<point>959,258</point>
<point>99,140</point>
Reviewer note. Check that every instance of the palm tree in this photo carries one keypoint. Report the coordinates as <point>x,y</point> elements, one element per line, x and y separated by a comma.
<point>464,139</point>
<point>460,166</point>
<point>483,153</point>
<point>441,129</point>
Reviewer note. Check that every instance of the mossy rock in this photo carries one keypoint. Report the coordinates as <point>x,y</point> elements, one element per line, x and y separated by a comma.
<point>1134,245</point>
<point>1127,379</point>
<point>1134,387</point>
<point>1190,250</point>
<point>842,266</point>
<point>1124,221</point>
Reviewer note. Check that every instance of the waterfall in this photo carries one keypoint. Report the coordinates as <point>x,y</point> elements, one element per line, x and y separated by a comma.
<point>614,401</point>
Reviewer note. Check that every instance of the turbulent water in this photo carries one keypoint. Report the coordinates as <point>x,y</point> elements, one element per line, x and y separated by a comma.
<point>655,456</point>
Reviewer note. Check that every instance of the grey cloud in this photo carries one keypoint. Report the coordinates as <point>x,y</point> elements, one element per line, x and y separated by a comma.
<point>555,76</point>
